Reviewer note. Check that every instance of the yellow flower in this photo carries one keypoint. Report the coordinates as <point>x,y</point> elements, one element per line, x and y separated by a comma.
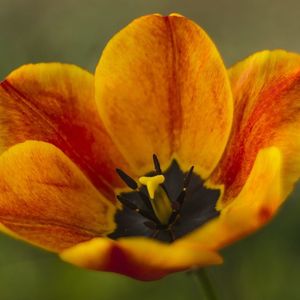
<point>225,146</point>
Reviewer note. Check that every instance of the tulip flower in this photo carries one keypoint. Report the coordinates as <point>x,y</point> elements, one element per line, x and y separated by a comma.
<point>157,161</point>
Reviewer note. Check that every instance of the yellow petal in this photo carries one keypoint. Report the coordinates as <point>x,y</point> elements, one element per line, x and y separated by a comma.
<point>257,202</point>
<point>266,91</point>
<point>46,200</point>
<point>161,87</point>
<point>55,103</point>
<point>140,258</point>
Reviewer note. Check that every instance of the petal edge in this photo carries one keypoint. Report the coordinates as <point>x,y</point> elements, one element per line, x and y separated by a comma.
<point>46,200</point>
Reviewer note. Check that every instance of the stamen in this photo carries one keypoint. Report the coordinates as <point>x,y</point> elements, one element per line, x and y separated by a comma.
<point>159,171</point>
<point>150,225</point>
<point>127,179</point>
<point>155,234</point>
<point>172,235</point>
<point>174,217</point>
<point>181,197</point>
<point>186,182</point>
<point>127,203</point>
<point>187,179</point>
<point>132,206</point>
<point>175,206</point>
<point>145,199</point>
<point>156,164</point>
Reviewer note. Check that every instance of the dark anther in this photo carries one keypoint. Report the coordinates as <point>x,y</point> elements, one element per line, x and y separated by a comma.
<point>156,164</point>
<point>188,177</point>
<point>145,199</point>
<point>155,234</point>
<point>172,235</point>
<point>186,182</point>
<point>132,206</point>
<point>147,215</point>
<point>181,197</point>
<point>127,179</point>
<point>127,203</point>
<point>159,171</point>
<point>174,217</point>
<point>175,205</point>
<point>150,225</point>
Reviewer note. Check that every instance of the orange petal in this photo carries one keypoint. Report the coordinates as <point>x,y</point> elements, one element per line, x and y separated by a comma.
<point>266,89</point>
<point>46,200</point>
<point>140,258</point>
<point>55,103</point>
<point>257,202</point>
<point>162,88</point>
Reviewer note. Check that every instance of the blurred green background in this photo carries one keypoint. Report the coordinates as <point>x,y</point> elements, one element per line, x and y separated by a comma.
<point>266,265</point>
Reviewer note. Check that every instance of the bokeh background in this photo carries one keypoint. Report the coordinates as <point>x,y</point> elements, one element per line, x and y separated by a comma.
<point>265,265</point>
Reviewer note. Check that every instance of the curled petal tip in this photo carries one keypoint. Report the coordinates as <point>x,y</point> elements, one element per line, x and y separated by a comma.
<point>176,15</point>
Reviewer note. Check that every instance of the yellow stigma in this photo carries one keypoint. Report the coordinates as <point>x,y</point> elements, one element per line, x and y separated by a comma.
<point>159,200</point>
<point>152,183</point>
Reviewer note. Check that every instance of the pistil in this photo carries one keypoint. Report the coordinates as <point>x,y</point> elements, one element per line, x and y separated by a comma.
<point>161,204</point>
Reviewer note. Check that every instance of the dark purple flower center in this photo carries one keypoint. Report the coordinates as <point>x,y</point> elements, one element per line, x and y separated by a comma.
<point>191,205</point>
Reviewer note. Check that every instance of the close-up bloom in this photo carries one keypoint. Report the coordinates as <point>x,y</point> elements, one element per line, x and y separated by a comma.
<point>157,161</point>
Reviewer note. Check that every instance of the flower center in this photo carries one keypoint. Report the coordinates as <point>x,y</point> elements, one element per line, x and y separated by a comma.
<point>166,205</point>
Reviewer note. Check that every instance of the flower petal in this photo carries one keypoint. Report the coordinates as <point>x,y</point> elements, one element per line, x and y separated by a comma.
<point>140,258</point>
<point>46,200</point>
<point>266,89</point>
<point>55,103</point>
<point>162,88</point>
<point>257,202</point>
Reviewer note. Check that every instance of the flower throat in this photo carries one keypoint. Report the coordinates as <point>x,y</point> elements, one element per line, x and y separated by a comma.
<point>166,205</point>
